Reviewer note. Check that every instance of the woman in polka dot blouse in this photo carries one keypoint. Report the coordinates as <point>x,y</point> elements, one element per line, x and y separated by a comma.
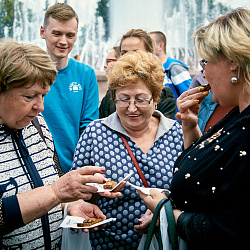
<point>135,82</point>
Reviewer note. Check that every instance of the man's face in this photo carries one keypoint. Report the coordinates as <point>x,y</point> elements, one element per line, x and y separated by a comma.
<point>132,44</point>
<point>60,37</point>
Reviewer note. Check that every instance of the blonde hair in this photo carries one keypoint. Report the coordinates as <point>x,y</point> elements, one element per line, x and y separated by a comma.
<point>135,66</point>
<point>229,35</point>
<point>60,11</point>
<point>22,64</point>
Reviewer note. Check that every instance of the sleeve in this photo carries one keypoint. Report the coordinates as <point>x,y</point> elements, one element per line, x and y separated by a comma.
<point>193,227</point>
<point>90,111</point>
<point>107,106</point>
<point>167,104</point>
<point>180,77</point>
<point>10,215</point>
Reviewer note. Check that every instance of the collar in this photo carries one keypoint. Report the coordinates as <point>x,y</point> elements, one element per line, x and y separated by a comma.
<point>113,122</point>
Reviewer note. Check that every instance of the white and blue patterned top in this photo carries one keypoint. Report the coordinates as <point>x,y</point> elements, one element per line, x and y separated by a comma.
<point>101,145</point>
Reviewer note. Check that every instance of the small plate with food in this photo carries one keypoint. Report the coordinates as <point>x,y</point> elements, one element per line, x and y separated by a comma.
<point>80,223</point>
<point>109,185</point>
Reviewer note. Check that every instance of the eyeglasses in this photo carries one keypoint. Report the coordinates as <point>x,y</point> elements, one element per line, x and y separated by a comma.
<point>139,103</point>
<point>108,60</point>
<point>203,63</point>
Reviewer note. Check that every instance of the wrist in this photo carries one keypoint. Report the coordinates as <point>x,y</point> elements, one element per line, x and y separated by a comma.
<point>54,193</point>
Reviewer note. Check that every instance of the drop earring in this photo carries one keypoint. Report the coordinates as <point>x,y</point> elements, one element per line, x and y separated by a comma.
<point>234,79</point>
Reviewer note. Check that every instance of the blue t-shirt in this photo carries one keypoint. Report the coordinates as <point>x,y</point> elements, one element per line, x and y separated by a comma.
<point>101,145</point>
<point>70,106</point>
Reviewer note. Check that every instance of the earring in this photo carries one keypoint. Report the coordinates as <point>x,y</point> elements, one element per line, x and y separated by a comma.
<point>234,79</point>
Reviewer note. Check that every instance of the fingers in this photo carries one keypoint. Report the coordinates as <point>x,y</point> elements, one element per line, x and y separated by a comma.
<point>189,99</point>
<point>98,213</point>
<point>120,186</point>
<point>91,174</point>
<point>144,223</point>
<point>142,195</point>
<point>90,170</point>
<point>157,195</point>
<point>111,194</point>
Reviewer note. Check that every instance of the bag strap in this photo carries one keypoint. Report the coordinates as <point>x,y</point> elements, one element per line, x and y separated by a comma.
<point>173,237</point>
<point>37,125</point>
<point>144,181</point>
<point>153,223</point>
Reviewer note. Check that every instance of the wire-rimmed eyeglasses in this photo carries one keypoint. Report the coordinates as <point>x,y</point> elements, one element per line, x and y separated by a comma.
<point>139,102</point>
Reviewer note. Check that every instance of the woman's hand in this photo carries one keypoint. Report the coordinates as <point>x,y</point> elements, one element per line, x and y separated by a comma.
<point>85,210</point>
<point>144,221</point>
<point>72,186</point>
<point>153,199</point>
<point>115,193</point>
<point>188,104</point>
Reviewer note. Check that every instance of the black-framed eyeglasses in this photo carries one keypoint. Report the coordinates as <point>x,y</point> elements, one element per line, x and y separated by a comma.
<point>139,102</point>
<point>203,63</point>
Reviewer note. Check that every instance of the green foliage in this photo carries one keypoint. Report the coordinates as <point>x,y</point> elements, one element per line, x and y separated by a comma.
<point>103,11</point>
<point>6,16</point>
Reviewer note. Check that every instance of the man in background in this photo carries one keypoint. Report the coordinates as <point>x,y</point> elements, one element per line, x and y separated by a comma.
<point>177,73</point>
<point>72,102</point>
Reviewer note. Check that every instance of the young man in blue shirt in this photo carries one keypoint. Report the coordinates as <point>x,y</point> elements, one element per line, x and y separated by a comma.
<point>177,73</point>
<point>73,100</point>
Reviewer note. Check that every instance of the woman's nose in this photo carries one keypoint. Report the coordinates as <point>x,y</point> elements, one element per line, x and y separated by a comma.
<point>131,106</point>
<point>39,105</point>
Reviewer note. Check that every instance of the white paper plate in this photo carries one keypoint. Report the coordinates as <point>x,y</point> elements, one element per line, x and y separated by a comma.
<point>147,190</point>
<point>71,222</point>
<point>100,186</point>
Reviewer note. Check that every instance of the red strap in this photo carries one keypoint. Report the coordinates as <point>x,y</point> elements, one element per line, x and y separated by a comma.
<point>144,181</point>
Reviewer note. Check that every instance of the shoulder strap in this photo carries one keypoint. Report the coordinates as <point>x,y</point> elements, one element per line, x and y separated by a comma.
<point>37,125</point>
<point>144,181</point>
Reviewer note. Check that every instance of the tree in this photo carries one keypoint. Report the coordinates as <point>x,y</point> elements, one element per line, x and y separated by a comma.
<point>6,17</point>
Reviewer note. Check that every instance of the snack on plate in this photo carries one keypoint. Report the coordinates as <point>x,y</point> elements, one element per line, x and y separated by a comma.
<point>88,223</point>
<point>109,184</point>
<point>204,87</point>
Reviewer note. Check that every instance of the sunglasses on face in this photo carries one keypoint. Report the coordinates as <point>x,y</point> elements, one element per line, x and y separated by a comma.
<point>108,60</point>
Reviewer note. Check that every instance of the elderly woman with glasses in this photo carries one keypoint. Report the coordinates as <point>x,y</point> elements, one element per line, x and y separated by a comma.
<point>135,82</point>
<point>210,188</point>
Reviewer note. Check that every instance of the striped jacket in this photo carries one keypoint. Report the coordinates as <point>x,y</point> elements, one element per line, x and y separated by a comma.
<point>15,178</point>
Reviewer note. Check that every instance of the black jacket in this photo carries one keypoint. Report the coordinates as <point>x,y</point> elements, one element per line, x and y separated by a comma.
<point>211,185</point>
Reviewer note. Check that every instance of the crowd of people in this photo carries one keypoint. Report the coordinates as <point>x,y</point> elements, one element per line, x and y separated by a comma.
<point>154,121</point>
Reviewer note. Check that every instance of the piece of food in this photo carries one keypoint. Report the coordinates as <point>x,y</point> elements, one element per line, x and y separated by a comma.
<point>88,223</point>
<point>204,87</point>
<point>109,184</point>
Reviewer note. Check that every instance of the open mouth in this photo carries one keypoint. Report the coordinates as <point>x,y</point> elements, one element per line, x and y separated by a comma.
<point>134,116</point>
<point>61,48</point>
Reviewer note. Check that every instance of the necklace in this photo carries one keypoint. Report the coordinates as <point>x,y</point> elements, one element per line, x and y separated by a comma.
<point>139,143</point>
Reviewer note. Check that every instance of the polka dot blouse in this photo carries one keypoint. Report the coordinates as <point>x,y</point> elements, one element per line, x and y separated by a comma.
<point>101,145</point>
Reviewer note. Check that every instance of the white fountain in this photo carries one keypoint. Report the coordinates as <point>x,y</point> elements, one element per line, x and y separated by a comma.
<point>177,19</point>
